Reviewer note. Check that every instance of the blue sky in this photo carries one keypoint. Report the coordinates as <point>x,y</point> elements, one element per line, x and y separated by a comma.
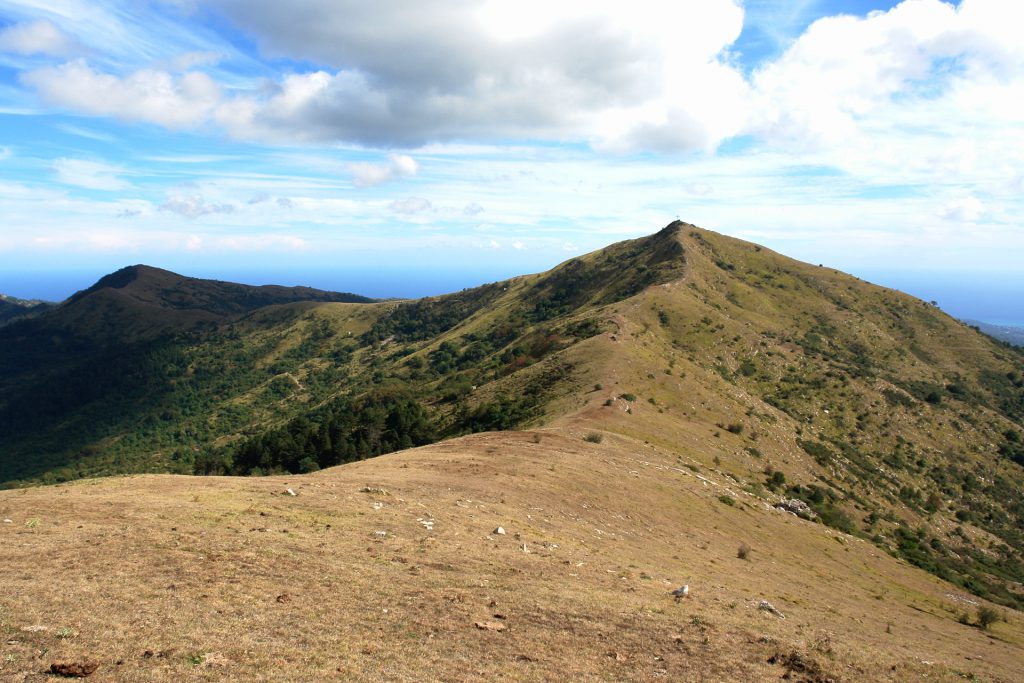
<point>407,147</point>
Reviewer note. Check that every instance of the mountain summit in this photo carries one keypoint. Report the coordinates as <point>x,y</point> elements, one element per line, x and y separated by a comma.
<point>141,301</point>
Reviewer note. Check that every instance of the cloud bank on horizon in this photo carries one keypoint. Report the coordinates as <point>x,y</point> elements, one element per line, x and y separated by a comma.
<point>509,132</point>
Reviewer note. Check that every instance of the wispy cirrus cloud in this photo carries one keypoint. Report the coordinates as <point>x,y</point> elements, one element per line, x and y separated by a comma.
<point>91,175</point>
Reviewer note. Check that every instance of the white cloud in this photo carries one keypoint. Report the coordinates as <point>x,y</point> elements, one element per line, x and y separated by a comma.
<point>472,209</point>
<point>965,210</point>
<point>648,74</point>
<point>412,205</point>
<point>5,153</point>
<point>36,38</point>
<point>89,174</point>
<point>145,95</point>
<point>194,206</point>
<point>365,174</point>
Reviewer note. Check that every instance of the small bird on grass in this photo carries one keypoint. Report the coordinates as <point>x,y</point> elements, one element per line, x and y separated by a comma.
<point>682,591</point>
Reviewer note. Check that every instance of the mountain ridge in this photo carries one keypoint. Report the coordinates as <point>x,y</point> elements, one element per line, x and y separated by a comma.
<point>879,411</point>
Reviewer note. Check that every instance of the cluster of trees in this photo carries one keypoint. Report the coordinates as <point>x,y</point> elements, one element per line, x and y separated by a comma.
<point>427,318</point>
<point>376,423</point>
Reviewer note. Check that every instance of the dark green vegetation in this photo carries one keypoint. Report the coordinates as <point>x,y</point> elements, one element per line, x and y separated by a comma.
<point>12,308</point>
<point>889,419</point>
<point>148,371</point>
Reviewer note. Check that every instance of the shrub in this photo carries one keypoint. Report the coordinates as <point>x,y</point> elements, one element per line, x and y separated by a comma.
<point>628,397</point>
<point>594,437</point>
<point>986,617</point>
<point>728,500</point>
<point>743,552</point>
<point>775,480</point>
<point>734,428</point>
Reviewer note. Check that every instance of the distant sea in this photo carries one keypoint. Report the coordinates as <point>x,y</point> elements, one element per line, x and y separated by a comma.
<point>994,299</point>
<point>997,299</point>
<point>379,284</point>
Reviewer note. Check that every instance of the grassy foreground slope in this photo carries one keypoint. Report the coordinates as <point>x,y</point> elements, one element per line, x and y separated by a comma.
<point>382,570</point>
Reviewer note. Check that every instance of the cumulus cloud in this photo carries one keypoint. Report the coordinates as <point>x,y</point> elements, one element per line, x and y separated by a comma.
<point>145,95</point>
<point>36,38</point>
<point>5,152</point>
<point>876,91</point>
<point>89,174</point>
<point>404,74</point>
<point>845,73</point>
<point>472,209</point>
<point>259,198</point>
<point>412,205</point>
<point>194,206</point>
<point>365,174</point>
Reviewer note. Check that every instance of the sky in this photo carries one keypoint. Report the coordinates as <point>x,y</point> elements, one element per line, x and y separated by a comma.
<point>405,148</point>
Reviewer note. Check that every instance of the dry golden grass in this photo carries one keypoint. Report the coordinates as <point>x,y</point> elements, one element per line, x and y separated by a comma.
<point>162,578</point>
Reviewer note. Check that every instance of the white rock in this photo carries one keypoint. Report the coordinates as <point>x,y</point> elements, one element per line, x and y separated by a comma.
<point>500,530</point>
<point>8,521</point>
<point>291,493</point>
<point>382,534</point>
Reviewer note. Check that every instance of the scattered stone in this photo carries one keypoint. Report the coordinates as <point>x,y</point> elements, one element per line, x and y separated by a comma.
<point>795,663</point>
<point>290,492</point>
<point>766,606</point>
<point>525,549</point>
<point>428,524</point>
<point>8,521</point>
<point>378,505</point>
<point>618,656</point>
<point>796,507</point>
<point>35,629</point>
<point>283,598</point>
<point>216,660</point>
<point>373,489</point>
<point>490,626</point>
<point>682,591</point>
<point>380,534</point>
<point>81,669</point>
<point>499,531</point>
